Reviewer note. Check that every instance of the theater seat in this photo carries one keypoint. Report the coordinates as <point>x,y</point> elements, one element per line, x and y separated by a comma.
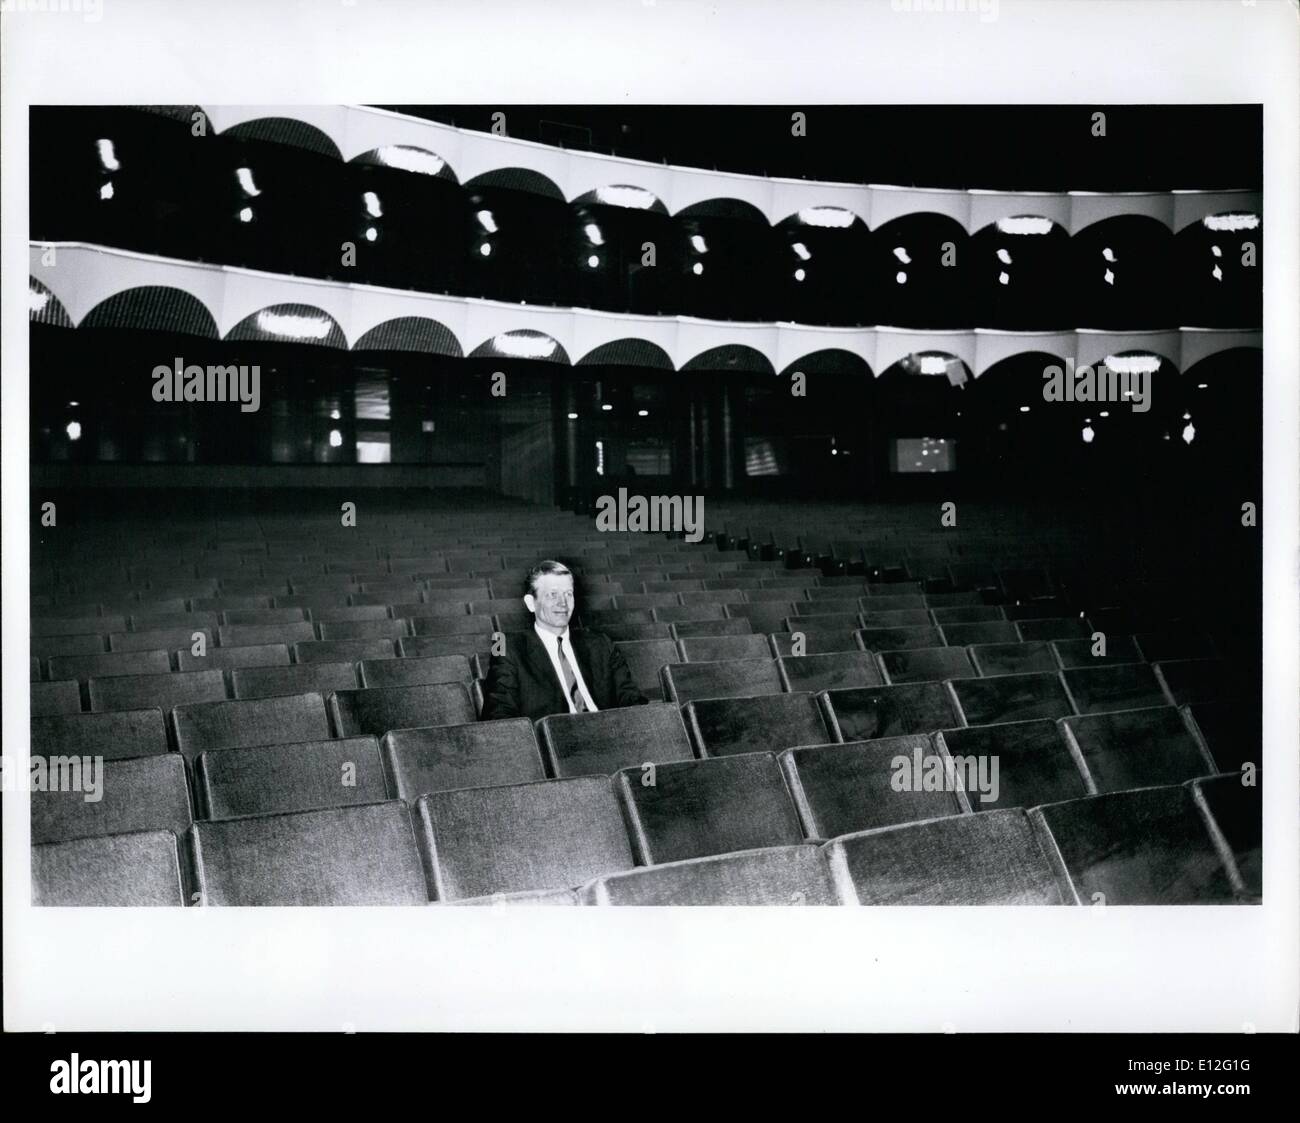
<point>415,672</point>
<point>816,642</point>
<point>363,629</point>
<point>378,710</point>
<point>344,650</point>
<point>633,633</point>
<point>55,698</point>
<point>226,658</point>
<point>243,724</point>
<point>705,649</point>
<point>840,789</point>
<point>474,755</point>
<point>1054,627</point>
<point>645,658</point>
<point>988,701</point>
<point>118,735</point>
<point>763,723</point>
<point>1144,847</point>
<point>1074,653</point>
<point>778,875</point>
<point>141,692</point>
<point>1192,681</point>
<point>593,744</point>
<point>301,678</point>
<point>1235,810</point>
<point>121,870</point>
<point>145,794</point>
<point>364,855</point>
<point>85,667</point>
<point>990,858</point>
<point>556,834</point>
<point>897,639</point>
<point>1035,764</point>
<point>270,779</point>
<point>242,635</point>
<point>537,897</point>
<point>686,629</point>
<point>926,664</point>
<point>1137,749</point>
<point>991,659</point>
<point>994,631</point>
<point>424,647</point>
<point>449,625</point>
<point>1125,686</point>
<point>870,713</point>
<point>1230,731</point>
<point>730,678</point>
<point>835,671</point>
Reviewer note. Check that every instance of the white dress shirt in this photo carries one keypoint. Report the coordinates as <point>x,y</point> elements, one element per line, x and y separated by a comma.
<point>552,649</point>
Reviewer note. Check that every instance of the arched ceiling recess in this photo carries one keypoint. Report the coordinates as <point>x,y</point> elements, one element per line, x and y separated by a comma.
<point>85,277</point>
<point>353,130</point>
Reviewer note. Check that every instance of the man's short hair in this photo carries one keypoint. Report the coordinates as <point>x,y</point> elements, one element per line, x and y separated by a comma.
<point>543,569</point>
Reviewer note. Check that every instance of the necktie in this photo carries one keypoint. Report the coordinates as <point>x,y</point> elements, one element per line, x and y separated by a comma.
<point>570,679</point>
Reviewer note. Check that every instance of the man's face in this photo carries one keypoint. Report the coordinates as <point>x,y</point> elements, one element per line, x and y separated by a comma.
<point>553,602</point>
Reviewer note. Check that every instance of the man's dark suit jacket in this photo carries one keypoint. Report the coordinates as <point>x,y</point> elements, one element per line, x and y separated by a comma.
<point>523,682</point>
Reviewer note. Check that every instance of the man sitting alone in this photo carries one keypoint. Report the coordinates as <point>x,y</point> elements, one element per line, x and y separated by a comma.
<point>550,669</point>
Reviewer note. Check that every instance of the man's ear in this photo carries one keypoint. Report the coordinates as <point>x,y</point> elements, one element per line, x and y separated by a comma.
<point>530,603</point>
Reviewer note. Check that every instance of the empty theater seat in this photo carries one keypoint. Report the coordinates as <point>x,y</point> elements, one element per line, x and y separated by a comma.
<point>270,779</point>
<point>301,678</point>
<point>838,670</point>
<point>145,794</point>
<point>1190,681</point>
<point>241,635</point>
<point>363,855</point>
<point>779,875</point>
<point>926,664</point>
<point>870,713</point>
<point>1144,847</point>
<point>475,755</point>
<point>987,701</point>
<point>55,697</point>
<point>117,735</point>
<point>762,723</point>
<point>993,631</point>
<point>1235,811</point>
<point>603,743</point>
<point>344,650</point>
<point>1230,731</point>
<point>225,658</point>
<point>645,658</point>
<point>423,647</point>
<point>1125,686</point>
<point>1054,627</point>
<point>990,858</point>
<point>138,869</point>
<point>686,629</point>
<point>704,649</point>
<point>1074,653</point>
<point>139,692</point>
<point>243,724</point>
<point>1137,749</point>
<point>556,834</point>
<point>84,667</point>
<point>897,639</point>
<point>1035,764</point>
<point>815,642</point>
<point>414,672</point>
<point>378,710</point>
<point>725,679</point>
<point>840,789</point>
<point>1013,658</point>
<point>700,807</point>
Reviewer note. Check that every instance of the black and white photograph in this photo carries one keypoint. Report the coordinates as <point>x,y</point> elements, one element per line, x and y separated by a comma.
<point>683,500</point>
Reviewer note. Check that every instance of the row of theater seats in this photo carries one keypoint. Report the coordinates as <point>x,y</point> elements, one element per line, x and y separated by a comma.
<point>636,806</point>
<point>771,769</point>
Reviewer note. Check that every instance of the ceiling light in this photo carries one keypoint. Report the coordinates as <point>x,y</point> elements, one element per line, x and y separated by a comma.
<point>933,364</point>
<point>245,177</point>
<point>245,214</point>
<point>593,261</point>
<point>1189,433</point>
<point>1024,409</point>
<point>1004,278</point>
<point>1108,277</point>
<point>573,417</point>
<point>74,430</point>
<point>801,251</point>
<point>336,438</point>
<point>697,268</point>
<point>1139,363</point>
<point>1231,221</point>
<point>106,191</point>
<point>1088,434</point>
<point>524,344</point>
<point>292,325</point>
<point>373,209</point>
<point>698,243</point>
<point>1108,254</point>
<point>410,159</point>
<point>485,249</point>
<point>799,274</point>
<point>594,236</point>
<point>1003,256</point>
<point>107,157</point>
<point>36,302</point>
<point>643,413</point>
<point>900,252</point>
<point>622,195</point>
<point>1217,273</point>
<point>1025,224</point>
<point>606,407</point>
<point>371,233</point>
<point>487,220</point>
<point>831,217</point>
<point>1216,251</point>
<point>900,278</point>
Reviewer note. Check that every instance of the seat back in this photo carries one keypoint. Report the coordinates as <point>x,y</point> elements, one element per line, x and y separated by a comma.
<point>763,723</point>
<point>602,743</point>
<point>118,797</point>
<point>121,870</point>
<point>300,678</point>
<point>282,720</point>
<point>378,710</point>
<point>729,678</point>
